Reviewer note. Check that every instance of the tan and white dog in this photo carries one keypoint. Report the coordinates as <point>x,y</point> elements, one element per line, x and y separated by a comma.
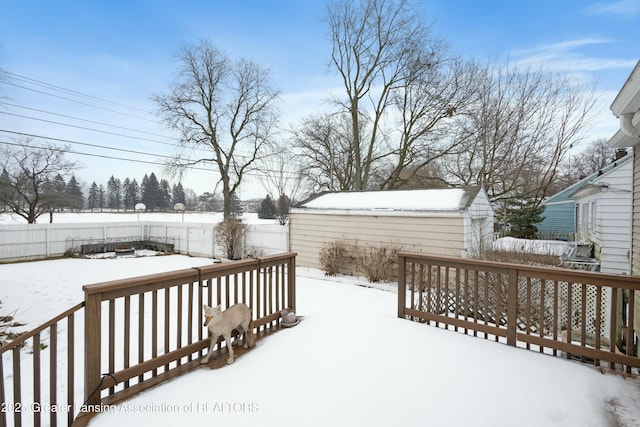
<point>223,323</point>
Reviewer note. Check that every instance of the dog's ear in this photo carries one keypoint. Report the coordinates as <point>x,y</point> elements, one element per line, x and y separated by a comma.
<point>205,307</point>
<point>219,307</point>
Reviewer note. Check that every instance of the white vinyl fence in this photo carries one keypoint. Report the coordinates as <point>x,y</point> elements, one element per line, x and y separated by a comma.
<point>37,241</point>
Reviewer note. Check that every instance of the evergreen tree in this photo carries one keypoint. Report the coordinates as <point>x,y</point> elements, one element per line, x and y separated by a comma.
<point>73,191</point>
<point>114,193</point>
<point>126,201</point>
<point>150,190</point>
<point>267,208</point>
<point>131,193</point>
<point>207,202</point>
<point>164,198</point>
<point>178,194</point>
<point>94,196</point>
<point>522,217</point>
<point>101,197</point>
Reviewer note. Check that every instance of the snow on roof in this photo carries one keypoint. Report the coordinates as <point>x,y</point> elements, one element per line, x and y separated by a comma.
<point>442,199</point>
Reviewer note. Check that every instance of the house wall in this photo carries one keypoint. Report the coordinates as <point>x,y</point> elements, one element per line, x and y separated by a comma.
<point>478,225</point>
<point>559,219</point>
<point>436,234</point>
<point>604,218</point>
<point>635,223</point>
<point>635,232</point>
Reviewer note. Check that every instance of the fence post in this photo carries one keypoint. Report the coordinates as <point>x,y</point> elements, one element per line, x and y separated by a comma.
<point>402,285</point>
<point>512,306</point>
<point>92,340</point>
<point>291,282</point>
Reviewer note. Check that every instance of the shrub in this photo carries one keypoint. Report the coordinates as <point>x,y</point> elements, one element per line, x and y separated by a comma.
<point>334,256</point>
<point>377,264</point>
<point>229,234</point>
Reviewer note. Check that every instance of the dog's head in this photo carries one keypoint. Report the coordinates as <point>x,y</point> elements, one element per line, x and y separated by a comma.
<point>210,313</point>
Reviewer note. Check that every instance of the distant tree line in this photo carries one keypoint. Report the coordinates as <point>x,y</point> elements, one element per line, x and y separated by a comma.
<point>125,194</point>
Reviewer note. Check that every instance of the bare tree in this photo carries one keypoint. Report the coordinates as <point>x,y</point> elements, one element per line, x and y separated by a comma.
<point>281,174</point>
<point>593,158</point>
<point>373,44</point>
<point>519,131</point>
<point>325,158</point>
<point>436,89</point>
<point>27,170</point>
<point>226,107</point>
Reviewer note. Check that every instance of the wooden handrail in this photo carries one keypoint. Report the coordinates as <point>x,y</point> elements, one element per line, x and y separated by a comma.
<point>497,299</point>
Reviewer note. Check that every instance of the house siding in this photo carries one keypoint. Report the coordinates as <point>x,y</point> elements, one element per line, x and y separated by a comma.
<point>559,218</point>
<point>605,218</point>
<point>635,223</point>
<point>436,235</point>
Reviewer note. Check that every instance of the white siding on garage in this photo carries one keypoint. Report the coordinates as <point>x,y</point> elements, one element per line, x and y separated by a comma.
<point>478,224</point>
<point>436,234</point>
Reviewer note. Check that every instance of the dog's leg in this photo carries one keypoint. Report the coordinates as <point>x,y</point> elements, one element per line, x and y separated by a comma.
<point>227,338</point>
<point>238,338</point>
<point>214,339</point>
<point>242,336</point>
<point>245,330</point>
<point>249,332</point>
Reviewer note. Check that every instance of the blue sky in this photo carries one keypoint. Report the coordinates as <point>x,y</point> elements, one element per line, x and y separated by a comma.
<point>122,51</point>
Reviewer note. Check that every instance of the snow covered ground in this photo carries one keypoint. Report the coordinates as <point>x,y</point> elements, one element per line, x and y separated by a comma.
<point>350,361</point>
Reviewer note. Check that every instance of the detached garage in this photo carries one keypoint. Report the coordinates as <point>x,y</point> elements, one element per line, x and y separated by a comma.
<point>448,222</point>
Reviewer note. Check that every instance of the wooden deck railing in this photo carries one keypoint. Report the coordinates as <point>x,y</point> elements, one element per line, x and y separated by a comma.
<point>31,354</point>
<point>138,332</point>
<point>580,314</point>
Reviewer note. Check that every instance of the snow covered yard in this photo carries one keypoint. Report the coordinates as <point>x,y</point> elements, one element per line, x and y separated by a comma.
<point>350,361</point>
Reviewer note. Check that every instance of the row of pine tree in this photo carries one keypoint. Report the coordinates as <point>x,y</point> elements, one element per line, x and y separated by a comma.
<point>124,195</point>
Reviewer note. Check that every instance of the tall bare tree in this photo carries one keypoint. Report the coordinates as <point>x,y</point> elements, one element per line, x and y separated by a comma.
<point>374,42</point>
<point>519,131</point>
<point>224,106</point>
<point>436,89</point>
<point>325,154</point>
<point>27,170</point>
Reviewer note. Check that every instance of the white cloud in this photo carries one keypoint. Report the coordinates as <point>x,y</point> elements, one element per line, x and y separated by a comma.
<point>622,8</point>
<point>565,57</point>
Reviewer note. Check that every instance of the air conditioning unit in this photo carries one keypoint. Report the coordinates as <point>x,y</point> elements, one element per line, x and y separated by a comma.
<point>584,249</point>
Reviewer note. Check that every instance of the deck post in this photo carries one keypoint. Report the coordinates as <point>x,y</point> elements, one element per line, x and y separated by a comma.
<point>402,285</point>
<point>291,282</point>
<point>92,339</point>
<point>512,306</point>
